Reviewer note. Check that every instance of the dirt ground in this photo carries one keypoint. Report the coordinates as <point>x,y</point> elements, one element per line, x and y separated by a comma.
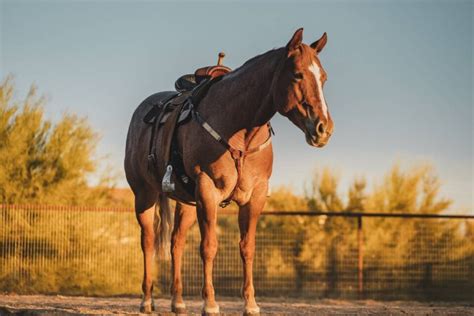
<point>67,305</point>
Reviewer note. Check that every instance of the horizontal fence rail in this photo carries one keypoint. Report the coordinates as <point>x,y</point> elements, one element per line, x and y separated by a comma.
<point>367,214</point>
<point>96,251</point>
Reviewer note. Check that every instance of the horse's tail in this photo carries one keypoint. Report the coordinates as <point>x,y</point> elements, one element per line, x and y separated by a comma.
<point>163,225</point>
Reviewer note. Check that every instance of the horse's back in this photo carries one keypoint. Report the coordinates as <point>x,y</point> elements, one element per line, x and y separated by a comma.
<point>138,142</point>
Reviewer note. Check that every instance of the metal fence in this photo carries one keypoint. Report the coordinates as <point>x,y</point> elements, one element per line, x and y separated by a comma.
<point>69,250</point>
<point>96,251</point>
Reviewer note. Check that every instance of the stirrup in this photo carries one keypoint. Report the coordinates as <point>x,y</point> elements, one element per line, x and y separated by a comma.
<point>167,185</point>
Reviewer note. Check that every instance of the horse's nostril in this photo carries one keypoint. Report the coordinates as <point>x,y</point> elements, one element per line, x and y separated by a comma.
<point>320,129</point>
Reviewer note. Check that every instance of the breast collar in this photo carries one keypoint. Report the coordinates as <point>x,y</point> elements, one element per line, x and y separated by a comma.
<point>236,154</point>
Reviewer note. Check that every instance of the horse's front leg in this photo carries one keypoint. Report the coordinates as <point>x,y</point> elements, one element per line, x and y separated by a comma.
<point>248,217</point>
<point>185,216</point>
<point>207,199</point>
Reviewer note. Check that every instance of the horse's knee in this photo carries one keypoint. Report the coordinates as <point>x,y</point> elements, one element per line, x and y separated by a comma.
<point>209,249</point>
<point>247,249</point>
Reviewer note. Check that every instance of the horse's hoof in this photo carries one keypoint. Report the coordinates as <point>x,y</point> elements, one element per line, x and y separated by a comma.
<point>179,308</point>
<point>147,307</point>
<point>210,311</point>
<point>254,311</point>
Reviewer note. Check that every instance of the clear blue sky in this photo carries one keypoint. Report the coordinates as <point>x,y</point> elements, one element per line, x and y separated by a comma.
<point>400,73</point>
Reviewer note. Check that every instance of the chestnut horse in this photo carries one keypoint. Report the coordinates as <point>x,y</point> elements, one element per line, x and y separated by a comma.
<point>287,80</point>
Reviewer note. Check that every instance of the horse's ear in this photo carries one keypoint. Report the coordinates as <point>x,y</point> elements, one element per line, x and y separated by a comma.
<point>320,43</point>
<point>296,40</point>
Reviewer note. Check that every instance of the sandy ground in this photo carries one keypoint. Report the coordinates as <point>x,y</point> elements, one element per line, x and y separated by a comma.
<point>67,305</point>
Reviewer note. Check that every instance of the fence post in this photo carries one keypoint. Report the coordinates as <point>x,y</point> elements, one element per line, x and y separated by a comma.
<point>360,263</point>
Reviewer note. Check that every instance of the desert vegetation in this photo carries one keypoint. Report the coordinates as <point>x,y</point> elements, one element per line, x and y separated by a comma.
<point>78,248</point>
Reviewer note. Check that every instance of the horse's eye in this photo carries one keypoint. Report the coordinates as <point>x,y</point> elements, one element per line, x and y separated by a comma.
<point>298,76</point>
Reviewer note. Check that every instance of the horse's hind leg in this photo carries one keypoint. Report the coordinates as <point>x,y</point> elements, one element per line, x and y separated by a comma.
<point>207,216</point>
<point>248,217</point>
<point>185,216</point>
<point>145,209</point>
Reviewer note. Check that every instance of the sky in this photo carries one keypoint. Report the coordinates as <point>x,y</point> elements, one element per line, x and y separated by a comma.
<point>399,83</point>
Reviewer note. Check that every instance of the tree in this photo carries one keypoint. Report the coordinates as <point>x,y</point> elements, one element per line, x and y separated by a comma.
<point>283,199</point>
<point>43,162</point>
<point>414,190</point>
<point>323,195</point>
<point>357,196</point>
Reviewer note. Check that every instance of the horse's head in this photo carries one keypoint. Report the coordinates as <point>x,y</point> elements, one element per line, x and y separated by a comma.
<point>298,89</point>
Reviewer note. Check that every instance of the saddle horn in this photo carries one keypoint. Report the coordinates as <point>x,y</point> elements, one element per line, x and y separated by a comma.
<point>220,59</point>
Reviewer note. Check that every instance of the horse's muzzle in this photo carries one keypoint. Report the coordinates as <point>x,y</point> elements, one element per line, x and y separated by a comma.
<point>316,133</point>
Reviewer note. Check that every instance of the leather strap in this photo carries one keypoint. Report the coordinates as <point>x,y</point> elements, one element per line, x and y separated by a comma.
<point>236,153</point>
<point>154,117</point>
<point>168,133</point>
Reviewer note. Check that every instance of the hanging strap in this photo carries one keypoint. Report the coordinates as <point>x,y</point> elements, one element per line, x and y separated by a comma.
<point>237,154</point>
<point>154,117</point>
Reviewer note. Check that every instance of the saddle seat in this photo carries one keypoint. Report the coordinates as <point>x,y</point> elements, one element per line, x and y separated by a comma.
<point>190,81</point>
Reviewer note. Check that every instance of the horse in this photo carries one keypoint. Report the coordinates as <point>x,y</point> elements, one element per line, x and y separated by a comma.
<point>288,80</point>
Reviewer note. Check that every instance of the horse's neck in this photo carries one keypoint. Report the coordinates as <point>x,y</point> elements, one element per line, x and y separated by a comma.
<point>241,104</point>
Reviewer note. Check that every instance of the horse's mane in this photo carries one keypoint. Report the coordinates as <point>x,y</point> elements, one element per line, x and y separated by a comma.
<point>253,75</point>
<point>253,62</point>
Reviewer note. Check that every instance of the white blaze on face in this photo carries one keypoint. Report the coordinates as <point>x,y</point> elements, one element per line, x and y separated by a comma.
<point>314,68</point>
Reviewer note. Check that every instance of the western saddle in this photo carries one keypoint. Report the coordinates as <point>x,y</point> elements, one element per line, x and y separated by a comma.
<point>167,116</point>
<point>190,81</point>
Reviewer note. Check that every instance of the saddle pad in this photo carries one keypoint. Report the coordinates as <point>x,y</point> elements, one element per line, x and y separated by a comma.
<point>181,98</point>
<point>185,113</point>
<point>167,105</point>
